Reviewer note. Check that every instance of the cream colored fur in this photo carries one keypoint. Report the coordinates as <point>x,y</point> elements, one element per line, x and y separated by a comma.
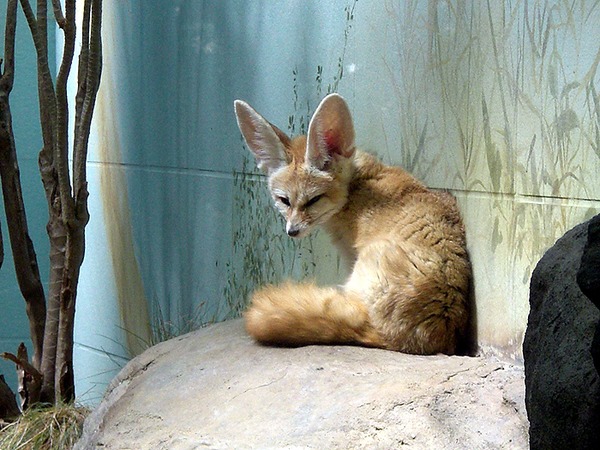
<point>409,284</point>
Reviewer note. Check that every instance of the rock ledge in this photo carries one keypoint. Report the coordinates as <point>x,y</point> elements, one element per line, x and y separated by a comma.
<point>215,388</point>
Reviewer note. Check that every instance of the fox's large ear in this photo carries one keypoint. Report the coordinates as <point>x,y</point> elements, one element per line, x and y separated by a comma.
<point>330,133</point>
<point>266,141</point>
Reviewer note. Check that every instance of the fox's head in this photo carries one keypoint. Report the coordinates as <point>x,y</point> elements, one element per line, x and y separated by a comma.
<point>308,175</point>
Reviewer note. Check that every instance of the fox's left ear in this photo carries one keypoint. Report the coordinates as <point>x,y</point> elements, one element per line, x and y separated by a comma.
<point>267,142</point>
<point>330,133</point>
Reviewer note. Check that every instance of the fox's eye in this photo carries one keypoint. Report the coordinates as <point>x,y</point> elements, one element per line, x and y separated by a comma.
<point>313,200</point>
<point>284,200</point>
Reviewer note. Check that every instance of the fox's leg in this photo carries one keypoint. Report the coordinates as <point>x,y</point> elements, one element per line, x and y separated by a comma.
<point>304,314</point>
<point>417,298</point>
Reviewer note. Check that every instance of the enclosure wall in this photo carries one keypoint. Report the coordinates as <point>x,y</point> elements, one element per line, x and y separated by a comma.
<point>495,101</point>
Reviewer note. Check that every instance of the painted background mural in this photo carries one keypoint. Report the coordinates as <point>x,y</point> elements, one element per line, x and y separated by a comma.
<point>496,101</point>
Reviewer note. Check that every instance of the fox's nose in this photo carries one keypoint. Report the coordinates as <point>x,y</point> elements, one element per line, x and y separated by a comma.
<point>293,232</point>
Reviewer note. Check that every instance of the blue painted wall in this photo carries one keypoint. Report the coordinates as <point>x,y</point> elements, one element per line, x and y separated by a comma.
<point>166,203</point>
<point>496,101</point>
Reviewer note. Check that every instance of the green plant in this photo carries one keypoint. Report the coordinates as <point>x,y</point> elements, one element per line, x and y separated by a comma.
<point>164,329</point>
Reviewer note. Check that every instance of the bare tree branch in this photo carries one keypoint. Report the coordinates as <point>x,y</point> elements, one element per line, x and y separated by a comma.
<point>79,156</point>
<point>42,21</point>
<point>8,71</point>
<point>61,145</point>
<point>29,382</point>
<point>89,82</point>
<point>57,230</point>
<point>30,16</point>
<point>55,227</point>
<point>7,77</point>
<point>82,70</point>
<point>23,363</point>
<point>30,379</point>
<point>1,249</point>
<point>39,32</point>
<point>58,14</point>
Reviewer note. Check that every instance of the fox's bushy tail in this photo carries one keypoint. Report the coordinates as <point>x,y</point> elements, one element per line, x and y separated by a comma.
<point>304,314</point>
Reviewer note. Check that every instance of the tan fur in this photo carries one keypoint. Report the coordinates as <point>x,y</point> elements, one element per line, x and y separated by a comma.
<point>405,243</point>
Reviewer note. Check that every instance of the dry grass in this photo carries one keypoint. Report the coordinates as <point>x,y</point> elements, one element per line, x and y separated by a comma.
<point>53,428</point>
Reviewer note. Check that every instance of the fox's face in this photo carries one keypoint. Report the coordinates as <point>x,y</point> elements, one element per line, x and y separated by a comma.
<point>306,197</point>
<point>308,175</point>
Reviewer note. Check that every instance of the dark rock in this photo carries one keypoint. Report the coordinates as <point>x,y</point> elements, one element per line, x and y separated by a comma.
<point>562,384</point>
<point>595,350</point>
<point>588,278</point>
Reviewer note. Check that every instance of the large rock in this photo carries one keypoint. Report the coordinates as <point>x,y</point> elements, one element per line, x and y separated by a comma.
<point>562,385</point>
<point>588,275</point>
<point>215,388</point>
<point>588,278</point>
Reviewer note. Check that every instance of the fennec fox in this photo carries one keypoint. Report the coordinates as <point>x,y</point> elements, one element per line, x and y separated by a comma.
<point>405,244</point>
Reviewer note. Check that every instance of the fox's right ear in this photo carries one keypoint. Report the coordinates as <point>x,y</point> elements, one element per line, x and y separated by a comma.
<point>266,141</point>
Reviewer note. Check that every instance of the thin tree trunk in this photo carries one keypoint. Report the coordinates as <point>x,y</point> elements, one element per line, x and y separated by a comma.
<point>26,267</point>
<point>47,104</point>
<point>52,323</point>
<point>90,64</point>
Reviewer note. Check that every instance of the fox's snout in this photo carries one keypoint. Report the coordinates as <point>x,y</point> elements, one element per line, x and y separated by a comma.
<point>297,222</point>
<point>294,229</point>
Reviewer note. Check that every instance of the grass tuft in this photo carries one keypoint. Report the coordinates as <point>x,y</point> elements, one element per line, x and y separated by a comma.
<point>164,329</point>
<point>45,428</point>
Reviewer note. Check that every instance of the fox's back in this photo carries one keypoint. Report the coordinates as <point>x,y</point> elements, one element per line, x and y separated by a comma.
<point>386,202</point>
<point>409,260</point>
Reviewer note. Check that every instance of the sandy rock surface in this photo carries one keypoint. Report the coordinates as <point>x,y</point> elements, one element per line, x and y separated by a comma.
<point>215,388</point>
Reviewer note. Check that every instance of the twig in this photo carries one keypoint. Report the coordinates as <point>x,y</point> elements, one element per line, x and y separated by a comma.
<point>30,379</point>
<point>23,363</point>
